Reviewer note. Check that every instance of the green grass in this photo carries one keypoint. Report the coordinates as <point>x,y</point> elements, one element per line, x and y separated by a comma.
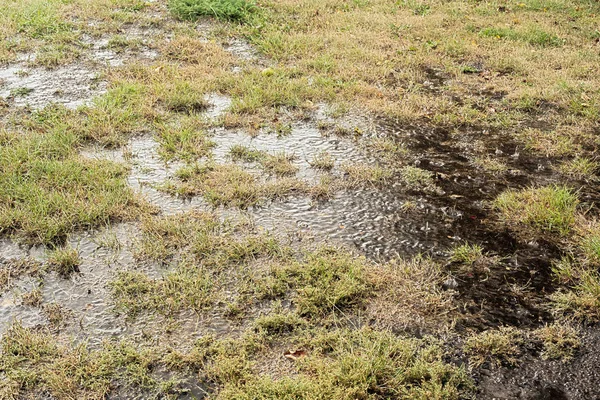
<point>582,301</point>
<point>232,10</point>
<point>548,209</point>
<point>187,287</point>
<point>467,253</point>
<point>358,174</point>
<point>230,185</point>
<point>417,178</point>
<point>47,190</point>
<point>580,168</point>
<point>32,361</point>
<point>183,140</point>
<point>345,364</point>
<point>65,261</point>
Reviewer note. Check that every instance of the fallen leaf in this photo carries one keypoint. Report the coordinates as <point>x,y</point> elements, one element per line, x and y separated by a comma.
<point>294,354</point>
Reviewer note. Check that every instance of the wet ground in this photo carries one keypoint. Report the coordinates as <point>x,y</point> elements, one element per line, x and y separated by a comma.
<point>372,220</point>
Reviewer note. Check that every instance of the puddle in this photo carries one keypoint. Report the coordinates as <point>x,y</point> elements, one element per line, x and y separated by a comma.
<point>70,85</point>
<point>218,105</point>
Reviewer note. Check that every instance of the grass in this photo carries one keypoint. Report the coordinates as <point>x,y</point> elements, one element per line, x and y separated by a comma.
<point>579,168</point>
<point>325,282</point>
<point>323,161</point>
<point>561,341</point>
<point>418,179</point>
<point>345,364</point>
<point>279,164</point>
<point>233,10</point>
<point>408,295</point>
<point>498,347</point>
<point>230,185</point>
<point>358,174</point>
<point>65,261</point>
<point>582,301</point>
<point>32,362</point>
<point>187,287</point>
<point>548,209</point>
<point>491,165</point>
<point>467,253</point>
<point>33,298</point>
<point>47,190</point>
<point>14,269</point>
<point>185,140</point>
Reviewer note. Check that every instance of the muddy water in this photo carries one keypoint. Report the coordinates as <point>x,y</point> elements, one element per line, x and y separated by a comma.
<point>70,85</point>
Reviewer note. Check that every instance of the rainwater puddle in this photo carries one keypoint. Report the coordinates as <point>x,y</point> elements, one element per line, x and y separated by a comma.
<point>70,85</point>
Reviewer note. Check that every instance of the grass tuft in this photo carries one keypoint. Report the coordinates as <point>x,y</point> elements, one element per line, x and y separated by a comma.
<point>549,209</point>
<point>496,346</point>
<point>231,10</point>
<point>65,261</point>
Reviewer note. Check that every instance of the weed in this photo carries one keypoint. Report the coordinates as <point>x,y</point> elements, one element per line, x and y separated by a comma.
<point>548,209</point>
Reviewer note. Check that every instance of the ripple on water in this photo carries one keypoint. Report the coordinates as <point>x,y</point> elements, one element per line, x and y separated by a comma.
<point>71,85</point>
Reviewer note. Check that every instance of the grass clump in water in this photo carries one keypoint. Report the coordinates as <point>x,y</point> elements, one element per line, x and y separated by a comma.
<point>47,189</point>
<point>360,174</point>
<point>230,185</point>
<point>323,161</point>
<point>467,253</point>
<point>418,179</point>
<point>65,261</point>
<point>548,209</point>
<point>279,164</point>
<point>327,280</point>
<point>187,287</point>
<point>232,10</point>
